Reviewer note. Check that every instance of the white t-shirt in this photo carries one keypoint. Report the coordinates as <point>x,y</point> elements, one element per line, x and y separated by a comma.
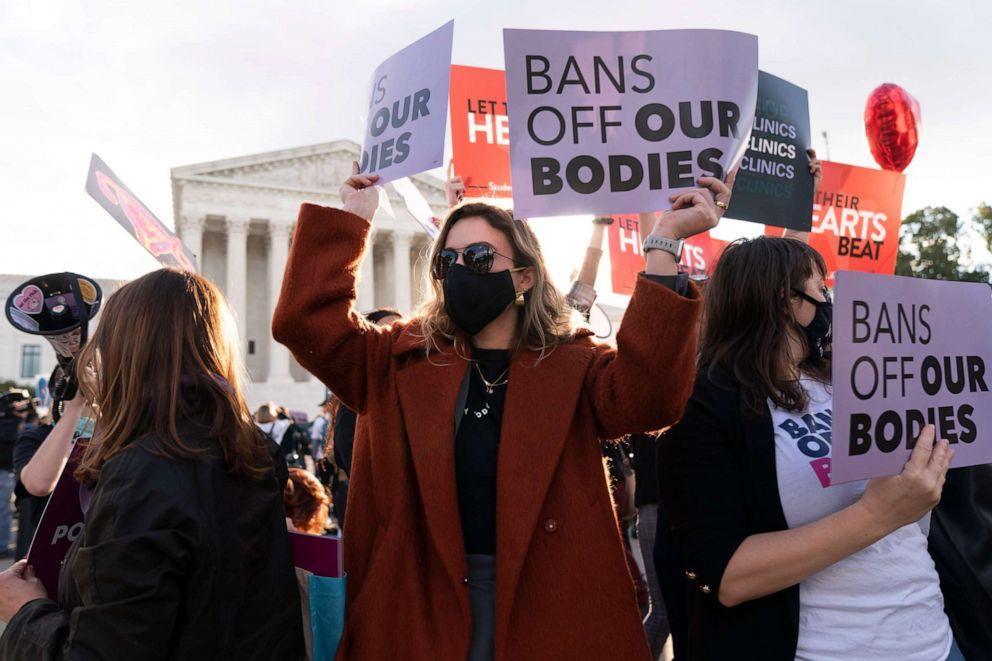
<point>882,603</point>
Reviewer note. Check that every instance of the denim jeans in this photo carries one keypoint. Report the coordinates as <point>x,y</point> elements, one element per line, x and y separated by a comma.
<point>6,491</point>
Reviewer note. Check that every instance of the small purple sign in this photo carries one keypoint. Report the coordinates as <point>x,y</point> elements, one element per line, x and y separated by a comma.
<point>908,352</point>
<point>319,555</point>
<point>60,524</point>
<point>408,109</point>
<point>615,122</point>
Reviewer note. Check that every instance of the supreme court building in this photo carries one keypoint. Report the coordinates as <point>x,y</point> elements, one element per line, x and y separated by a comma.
<point>237,216</point>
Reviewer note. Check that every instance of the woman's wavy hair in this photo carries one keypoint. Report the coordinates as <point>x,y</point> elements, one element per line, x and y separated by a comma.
<point>306,501</point>
<point>165,352</point>
<point>747,314</point>
<point>546,319</point>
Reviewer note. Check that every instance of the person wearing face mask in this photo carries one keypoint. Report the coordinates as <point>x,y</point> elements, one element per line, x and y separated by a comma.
<point>480,524</point>
<point>777,560</point>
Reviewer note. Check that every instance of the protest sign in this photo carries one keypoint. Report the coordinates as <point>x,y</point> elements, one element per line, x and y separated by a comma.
<point>774,185</point>
<point>118,200</point>
<point>856,218</point>
<point>408,106</point>
<point>480,137</point>
<point>699,254</point>
<point>317,554</point>
<point>60,524</point>
<point>902,359</point>
<point>418,207</point>
<point>615,122</point>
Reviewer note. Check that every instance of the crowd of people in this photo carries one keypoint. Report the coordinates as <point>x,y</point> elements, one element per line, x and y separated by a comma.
<point>500,479</point>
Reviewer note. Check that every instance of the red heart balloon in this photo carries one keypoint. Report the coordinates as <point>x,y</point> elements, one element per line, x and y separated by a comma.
<point>892,124</point>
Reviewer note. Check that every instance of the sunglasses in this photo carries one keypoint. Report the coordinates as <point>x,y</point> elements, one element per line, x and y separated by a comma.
<point>803,295</point>
<point>478,258</point>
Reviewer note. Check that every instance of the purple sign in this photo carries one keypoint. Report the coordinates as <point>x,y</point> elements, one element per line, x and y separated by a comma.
<point>60,524</point>
<point>408,109</point>
<point>908,352</point>
<point>321,556</point>
<point>616,122</point>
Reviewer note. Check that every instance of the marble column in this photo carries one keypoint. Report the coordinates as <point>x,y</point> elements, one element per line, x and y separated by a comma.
<point>237,273</point>
<point>279,232</point>
<point>401,271</point>
<point>366,278</point>
<point>191,233</point>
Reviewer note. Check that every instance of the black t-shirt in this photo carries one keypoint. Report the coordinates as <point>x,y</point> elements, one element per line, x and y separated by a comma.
<point>477,450</point>
<point>645,470</point>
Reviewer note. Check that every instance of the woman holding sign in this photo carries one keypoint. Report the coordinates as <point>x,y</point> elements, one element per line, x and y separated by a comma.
<point>473,532</point>
<point>183,553</point>
<point>780,563</point>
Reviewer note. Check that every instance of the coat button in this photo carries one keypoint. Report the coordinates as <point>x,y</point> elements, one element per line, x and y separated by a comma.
<point>691,575</point>
<point>705,589</point>
<point>465,581</point>
<point>551,525</point>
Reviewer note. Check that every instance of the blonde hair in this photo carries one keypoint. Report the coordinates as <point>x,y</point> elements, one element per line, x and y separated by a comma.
<point>546,319</point>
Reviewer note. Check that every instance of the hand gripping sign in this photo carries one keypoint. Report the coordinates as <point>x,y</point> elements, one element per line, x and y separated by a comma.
<point>615,122</point>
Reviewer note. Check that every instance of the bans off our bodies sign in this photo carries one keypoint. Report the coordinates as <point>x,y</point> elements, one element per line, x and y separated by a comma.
<point>408,106</point>
<point>615,122</point>
<point>902,359</point>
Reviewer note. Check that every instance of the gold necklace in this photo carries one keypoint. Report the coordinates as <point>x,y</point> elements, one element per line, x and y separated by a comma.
<point>497,382</point>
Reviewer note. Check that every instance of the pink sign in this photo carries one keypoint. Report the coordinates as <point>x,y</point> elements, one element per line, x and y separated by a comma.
<point>908,352</point>
<point>319,555</point>
<point>615,122</point>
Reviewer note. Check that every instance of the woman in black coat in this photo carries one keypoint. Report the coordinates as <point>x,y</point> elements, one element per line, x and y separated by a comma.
<point>780,563</point>
<point>184,552</point>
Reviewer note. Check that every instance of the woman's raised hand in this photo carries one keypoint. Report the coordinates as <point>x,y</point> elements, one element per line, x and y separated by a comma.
<point>697,210</point>
<point>359,194</point>
<point>905,498</point>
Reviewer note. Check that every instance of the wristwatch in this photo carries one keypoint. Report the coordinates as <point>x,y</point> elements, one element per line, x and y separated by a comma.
<point>672,246</point>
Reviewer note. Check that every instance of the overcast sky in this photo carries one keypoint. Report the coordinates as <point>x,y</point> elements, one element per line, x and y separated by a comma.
<point>151,86</point>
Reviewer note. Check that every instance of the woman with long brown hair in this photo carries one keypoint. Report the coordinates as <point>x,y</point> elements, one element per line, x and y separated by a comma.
<point>780,563</point>
<point>480,524</point>
<point>184,552</point>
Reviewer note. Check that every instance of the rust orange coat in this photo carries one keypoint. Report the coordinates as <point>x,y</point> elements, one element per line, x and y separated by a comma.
<point>563,590</point>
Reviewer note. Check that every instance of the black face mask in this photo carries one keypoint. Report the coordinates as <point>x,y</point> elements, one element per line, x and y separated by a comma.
<point>473,300</point>
<point>819,332</point>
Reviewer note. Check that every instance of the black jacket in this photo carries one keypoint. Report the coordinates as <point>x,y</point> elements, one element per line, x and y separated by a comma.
<point>961,546</point>
<point>177,560</point>
<point>716,473</point>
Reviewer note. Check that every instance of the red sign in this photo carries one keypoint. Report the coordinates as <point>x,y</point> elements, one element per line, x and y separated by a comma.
<point>626,259</point>
<point>856,217</point>
<point>480,137</point>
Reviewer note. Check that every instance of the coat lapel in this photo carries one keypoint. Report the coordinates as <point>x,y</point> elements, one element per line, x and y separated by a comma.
<point>428,390</point>
<point>540,407</point>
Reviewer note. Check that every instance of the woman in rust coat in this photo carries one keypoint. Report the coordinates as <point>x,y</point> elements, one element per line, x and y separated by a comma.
<point>480,524</point>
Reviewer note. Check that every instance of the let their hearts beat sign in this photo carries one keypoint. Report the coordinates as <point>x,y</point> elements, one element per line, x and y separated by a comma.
<point>408,109</point>
<point>480,134</point>
<point>902,359</point>
<point>615,122</point>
